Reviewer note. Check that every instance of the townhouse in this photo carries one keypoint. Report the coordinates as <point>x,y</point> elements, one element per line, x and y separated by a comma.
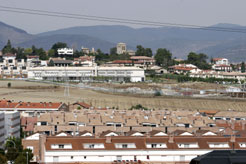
<point>129,149</point>
<point>31,108</point>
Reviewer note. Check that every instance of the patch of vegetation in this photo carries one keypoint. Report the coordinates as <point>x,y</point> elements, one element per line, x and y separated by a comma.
<point>139,107</point>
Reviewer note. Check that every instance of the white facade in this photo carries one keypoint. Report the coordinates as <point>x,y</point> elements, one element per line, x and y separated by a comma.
<point>110,156</point>
<point>80,73</point>
<point>221,61</point>
<point>65,51</point>
<point>2,129</point>
<point>121,48</point>
<point>12,124</point>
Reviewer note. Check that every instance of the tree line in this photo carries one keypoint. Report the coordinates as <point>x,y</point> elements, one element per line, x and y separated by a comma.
<point>163,57</point>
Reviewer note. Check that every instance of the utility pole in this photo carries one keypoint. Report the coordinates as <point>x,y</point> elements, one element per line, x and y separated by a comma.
<point>27,157</point>
<point>66,90</point>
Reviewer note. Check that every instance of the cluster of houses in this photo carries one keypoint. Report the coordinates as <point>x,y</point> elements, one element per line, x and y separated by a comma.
<point>85,67</point>
<point>78,132</point>
<point>221,69</point>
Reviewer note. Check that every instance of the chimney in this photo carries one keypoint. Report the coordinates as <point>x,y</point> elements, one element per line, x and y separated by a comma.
<point>108,139</point>
<point>42,142</point>
<point>233,138</point>
<point>233,125</point>
<point>243,125</point>
<point>171,138</point>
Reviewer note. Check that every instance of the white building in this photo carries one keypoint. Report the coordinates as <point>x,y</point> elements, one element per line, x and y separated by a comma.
<point>121,48</point>
<point>65,51</point>
<point>132,74</point>
<point>2,130</point>
<point>166,149</point>
<point>220,61</point>
<point>12,124</point>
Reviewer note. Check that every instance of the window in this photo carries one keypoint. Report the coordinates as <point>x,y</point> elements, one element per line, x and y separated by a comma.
<point>61,146</point>
<point>94,146</point>
<point>124,145</point>
<point>153,145</point>
<point>156,145</point>
<point>71,157</point>
<point>43,123</point>
<point>84,157</point>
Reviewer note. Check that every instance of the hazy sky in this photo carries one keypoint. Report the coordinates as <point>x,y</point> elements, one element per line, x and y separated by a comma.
<point>196,12</point>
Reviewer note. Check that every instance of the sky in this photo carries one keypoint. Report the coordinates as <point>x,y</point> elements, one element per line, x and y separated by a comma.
<point>194,12</point>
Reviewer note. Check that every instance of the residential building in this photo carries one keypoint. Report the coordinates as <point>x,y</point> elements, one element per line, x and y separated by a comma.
<point>65,51</point>
<point>132,74</point>
<point>87,61</point>
<point>87,51</point>
<point>134,149</point>
<point>2,129</point>
<point>121,48</point>
<point>31,108</point>
<point>183,69</point>
<point>143,61</point>
<point>220,61</point>
<point>12,124</point>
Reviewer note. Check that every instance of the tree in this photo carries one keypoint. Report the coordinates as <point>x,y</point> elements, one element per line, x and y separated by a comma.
<point>12,153</point>
<point>9,85</point>
<point>199,60</point>
<point>243,67</point>
<point>39,52</point>
<point>21,159</point>
<point>51,63</point>
<point>3,159</point>
<point>7,48</point>
<point>163,57</point>
<point>58,45</point>
<point>29,153</point>
<point>113,51</point>
<point>141,51</point>
<point>20,53</point>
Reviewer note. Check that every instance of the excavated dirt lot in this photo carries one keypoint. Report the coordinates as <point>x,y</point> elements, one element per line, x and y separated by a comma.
<point>39,92</point>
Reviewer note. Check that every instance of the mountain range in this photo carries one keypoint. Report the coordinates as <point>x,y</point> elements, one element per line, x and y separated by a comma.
<point>180,41</point>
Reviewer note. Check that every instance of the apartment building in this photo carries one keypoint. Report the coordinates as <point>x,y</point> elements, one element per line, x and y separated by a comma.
<point>12,124</point>
<point>133,149</point>
<point>2,129</point>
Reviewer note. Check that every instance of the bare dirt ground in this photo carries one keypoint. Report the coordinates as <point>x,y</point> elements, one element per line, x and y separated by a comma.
<point>39,92</point>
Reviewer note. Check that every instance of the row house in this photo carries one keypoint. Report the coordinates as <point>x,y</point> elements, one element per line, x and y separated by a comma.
<point>222,75</point>
<point>32,108</point>
<point>128,149</point>
<point>98,121</point>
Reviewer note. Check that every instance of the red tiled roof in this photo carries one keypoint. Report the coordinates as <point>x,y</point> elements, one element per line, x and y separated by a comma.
<point>109,142</point>
<point>217,59</point>
<point>38,105</point>
<point>84,105</point>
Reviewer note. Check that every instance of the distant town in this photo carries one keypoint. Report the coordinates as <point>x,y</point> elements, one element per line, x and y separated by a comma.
<point>85,132</point>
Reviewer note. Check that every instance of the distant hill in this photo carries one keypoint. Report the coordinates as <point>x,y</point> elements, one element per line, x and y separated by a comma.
<point>75,41</point>
<point>179,40</point>
<point>16,35</point>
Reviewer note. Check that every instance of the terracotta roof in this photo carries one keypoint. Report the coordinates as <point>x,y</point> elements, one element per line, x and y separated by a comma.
<point>50,105</point>
<point>84,105</point>
<point>140,142</point>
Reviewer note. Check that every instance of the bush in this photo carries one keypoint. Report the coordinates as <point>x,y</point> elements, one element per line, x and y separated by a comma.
<point>157,93</point>
<point>9,85</point>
